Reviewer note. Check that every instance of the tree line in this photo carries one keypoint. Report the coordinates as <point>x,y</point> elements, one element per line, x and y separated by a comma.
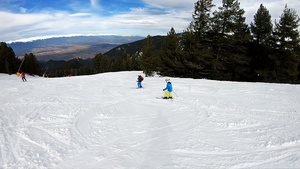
<point>216,45</point>
<point>220,45</point>
<point>10,64</point>
<point>101,64</point>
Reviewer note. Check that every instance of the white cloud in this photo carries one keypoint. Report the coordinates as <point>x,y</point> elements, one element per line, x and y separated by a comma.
<point>275,7</point>
<point>23,10</point>
<point>148,11</point>
<point>171,4</point>
<point>95,3</point>
<point>13,21</point>
<point>80,14</point>
<point>137,22</point>
<point>55,36</point>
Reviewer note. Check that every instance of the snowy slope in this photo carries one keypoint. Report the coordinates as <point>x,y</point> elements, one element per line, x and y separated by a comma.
<point>103,121</point>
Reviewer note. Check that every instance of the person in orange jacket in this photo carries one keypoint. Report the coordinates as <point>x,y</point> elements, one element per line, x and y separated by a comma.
<point>23,77</point>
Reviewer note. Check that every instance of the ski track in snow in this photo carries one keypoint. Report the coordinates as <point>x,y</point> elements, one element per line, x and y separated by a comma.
<point>102,121</point>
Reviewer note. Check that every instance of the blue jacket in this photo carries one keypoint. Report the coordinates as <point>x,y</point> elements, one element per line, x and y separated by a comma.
<point>169,87</point>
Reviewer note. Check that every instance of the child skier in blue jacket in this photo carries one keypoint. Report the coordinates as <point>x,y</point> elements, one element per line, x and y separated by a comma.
<point>168,90</point>
<point>139,80</point>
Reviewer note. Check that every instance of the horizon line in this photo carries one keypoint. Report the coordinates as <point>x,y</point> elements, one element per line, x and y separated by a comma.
<point>31,39</point>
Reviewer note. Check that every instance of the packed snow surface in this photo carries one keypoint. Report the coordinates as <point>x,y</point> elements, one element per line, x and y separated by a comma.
<point>103,121</point>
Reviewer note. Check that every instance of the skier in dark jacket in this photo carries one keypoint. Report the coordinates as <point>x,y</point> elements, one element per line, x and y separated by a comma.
<point>168,90</point>
<point>139,80</point>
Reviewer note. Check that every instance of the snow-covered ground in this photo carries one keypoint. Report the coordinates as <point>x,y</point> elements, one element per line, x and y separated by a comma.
<point>102,121</point>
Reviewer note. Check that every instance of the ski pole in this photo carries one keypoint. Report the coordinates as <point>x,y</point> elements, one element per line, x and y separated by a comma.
<point>175,93</point>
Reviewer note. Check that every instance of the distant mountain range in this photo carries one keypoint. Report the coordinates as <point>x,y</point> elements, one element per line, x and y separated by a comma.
<point>65,53</point>
<point>134,47</point>
<point>67,48</point>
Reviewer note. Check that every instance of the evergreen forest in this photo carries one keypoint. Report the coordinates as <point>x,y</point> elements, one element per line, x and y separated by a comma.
<point>216,45</point>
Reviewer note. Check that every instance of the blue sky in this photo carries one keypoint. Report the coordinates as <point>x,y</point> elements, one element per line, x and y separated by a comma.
<point>22,19</point>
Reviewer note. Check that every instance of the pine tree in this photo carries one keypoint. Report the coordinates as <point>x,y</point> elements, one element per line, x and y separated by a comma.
<point>116,64</point>
<point>262,26</point>
<point>125,62</point>
<point>196,42</point>
<point>8,61</point>
<point>171,56</point>
<point>262,58</point>
<point>229,33</point>
<point>286,31</point>
<point>201,17</point>
<point>147,59</point>
<point>287,40</point>
<point>84,70</point>
<point>97,63</point>
<point>191,59</point>
<point>31,65</point>
<point>229,19</point>
<point>101,63</point>
<point>134,62</point>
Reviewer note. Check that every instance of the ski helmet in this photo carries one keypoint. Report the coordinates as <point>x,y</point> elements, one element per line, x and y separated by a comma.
<point>167,80</point>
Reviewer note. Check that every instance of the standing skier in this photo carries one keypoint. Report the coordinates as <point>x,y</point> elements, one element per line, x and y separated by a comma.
<point>168,90</point>
<point>139,80</point>
<point>23,77</point>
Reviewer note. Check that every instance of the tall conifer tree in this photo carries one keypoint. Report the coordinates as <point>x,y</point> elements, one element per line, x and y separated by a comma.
<point>229,34</point>
<point>287,42</point>
<point>31,65</point>
<point>262,61</point>
<point>200,57</point>
<point>286,30</point>
<point>201,17</point>
<point>262,26</point>
<point>8,61</point>
<point>147,59</point>
<point>171,56</point>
